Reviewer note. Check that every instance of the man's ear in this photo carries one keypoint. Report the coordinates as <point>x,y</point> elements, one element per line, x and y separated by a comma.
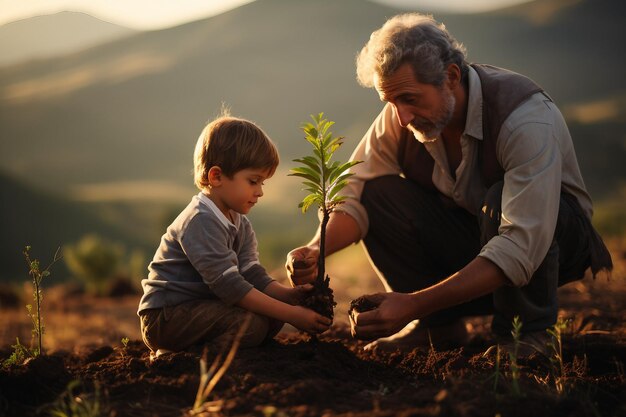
<point>454,76</point>
<point>215,176</point>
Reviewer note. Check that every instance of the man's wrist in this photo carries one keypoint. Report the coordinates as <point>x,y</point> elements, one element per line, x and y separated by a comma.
<point>419,306</point>
<point>314,244</point>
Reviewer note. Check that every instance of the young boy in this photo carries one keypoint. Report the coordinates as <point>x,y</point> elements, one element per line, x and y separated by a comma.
<point>205,276</point>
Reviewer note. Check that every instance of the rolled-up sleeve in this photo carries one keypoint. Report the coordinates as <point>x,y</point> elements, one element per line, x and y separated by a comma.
<point>378,151</point>
<point>530,155</point>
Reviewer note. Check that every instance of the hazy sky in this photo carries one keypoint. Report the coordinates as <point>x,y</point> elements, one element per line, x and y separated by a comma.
<point>155,14</point>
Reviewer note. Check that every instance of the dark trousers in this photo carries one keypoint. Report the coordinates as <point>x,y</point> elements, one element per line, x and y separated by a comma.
<point>417,238</point>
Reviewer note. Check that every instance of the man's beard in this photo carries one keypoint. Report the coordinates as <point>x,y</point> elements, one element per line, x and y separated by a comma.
<point>430,131</point>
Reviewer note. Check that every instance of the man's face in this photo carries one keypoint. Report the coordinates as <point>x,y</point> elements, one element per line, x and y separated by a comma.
<point>422,108</point>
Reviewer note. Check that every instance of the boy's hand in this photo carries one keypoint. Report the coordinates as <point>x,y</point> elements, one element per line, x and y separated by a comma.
<point>286,294</point>
<point>298,293</point>
<point>301,265</point>
<point>308,320</point>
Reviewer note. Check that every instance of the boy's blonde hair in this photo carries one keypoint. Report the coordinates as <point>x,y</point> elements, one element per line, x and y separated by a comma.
<point>232,144</point>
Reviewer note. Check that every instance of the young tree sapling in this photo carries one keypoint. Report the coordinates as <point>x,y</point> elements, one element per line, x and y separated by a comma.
<point>323,179</point>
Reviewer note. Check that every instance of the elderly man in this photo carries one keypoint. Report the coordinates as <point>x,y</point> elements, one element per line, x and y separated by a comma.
<point>469,199</point>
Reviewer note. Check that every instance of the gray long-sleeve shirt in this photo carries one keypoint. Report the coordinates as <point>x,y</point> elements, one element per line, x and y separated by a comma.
<point>534,148</point>
<point>204,255</point>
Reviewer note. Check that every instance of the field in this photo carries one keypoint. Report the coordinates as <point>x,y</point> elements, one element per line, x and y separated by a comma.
<point>333,376</point>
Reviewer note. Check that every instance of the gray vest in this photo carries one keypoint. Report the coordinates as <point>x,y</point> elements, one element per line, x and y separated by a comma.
<point>502,91</point>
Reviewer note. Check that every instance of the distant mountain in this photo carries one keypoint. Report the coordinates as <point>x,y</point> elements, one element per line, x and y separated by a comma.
<point>47,36</point>
<point>130,110</point>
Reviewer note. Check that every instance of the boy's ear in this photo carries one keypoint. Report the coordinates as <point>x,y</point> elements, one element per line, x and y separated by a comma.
<point>215,176</point>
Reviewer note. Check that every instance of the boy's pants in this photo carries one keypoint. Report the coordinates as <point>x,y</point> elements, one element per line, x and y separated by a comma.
<point>416,239</point>
<point>200,321</point>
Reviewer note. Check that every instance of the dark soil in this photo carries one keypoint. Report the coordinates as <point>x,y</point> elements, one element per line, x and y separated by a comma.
<point>333,375</point>
<point>321,298</point>
<point>361,305</point>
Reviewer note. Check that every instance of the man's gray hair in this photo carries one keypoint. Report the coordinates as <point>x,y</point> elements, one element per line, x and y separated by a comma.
<point>414,38</point>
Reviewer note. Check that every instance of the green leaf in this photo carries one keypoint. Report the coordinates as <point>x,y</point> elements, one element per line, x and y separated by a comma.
<point>329,143</point>
<point>312,187</point>
<point>341,169</point>
<point>331,170</point>
<point>341,178</point>
<point>336,188</point>
<point>307,173</point>
<point>318,154</point>
<point>308,201</point>
<point>310,162</point>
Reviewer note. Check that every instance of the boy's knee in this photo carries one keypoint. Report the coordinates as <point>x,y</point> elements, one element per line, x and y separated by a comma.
<point>257,331</point>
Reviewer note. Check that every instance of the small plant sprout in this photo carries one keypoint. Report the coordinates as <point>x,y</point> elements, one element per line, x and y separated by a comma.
<point>74,402</point>
<point>34,270</point>
<point>556,359</point>
<point>323,180</point>
<point>516,332</point>
<point>124,341</point>
<point>210,377</point>
<point>19,355</point>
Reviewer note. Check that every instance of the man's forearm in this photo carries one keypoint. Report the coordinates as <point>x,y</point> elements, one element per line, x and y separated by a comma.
<point>478,278</point>
<point>342,231</point>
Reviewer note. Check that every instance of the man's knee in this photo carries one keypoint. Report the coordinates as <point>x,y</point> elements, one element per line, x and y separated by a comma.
<point>381,188</point>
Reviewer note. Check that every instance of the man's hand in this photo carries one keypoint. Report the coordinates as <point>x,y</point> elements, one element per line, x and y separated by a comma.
<point>394,311</point>
<point>308,320</point>
<point>301,265</point>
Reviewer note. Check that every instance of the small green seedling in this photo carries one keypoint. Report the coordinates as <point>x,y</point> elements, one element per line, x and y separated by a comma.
<point>323,180</point>
<point>34,270</point>
<point>19,355</point>
<point>124,341</point>
<point>516,332</point>
<point>556,359</point>
<point>75,402</point>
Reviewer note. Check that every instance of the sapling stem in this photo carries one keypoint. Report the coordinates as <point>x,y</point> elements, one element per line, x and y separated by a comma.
<point>37,274</point>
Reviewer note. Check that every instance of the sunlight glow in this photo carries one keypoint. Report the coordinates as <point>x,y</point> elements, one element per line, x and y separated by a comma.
<point>60,83</point>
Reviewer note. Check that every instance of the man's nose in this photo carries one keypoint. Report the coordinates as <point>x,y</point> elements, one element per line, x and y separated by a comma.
<point>403,114</point>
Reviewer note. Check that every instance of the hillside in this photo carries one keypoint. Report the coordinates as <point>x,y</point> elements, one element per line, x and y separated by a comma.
<point>46,222</point>
<point>105,107</point>
<point>52,35</point>
<point>127,113</point>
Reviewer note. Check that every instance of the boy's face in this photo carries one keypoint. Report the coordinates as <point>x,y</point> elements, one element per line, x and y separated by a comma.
<point>239,193</point>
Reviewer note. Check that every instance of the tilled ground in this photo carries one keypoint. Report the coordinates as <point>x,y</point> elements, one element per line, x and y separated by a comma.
<point>335,376</point>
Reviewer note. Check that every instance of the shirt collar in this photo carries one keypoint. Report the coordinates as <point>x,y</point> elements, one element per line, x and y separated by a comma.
<point>218,213</point>
<point>474,120</point>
